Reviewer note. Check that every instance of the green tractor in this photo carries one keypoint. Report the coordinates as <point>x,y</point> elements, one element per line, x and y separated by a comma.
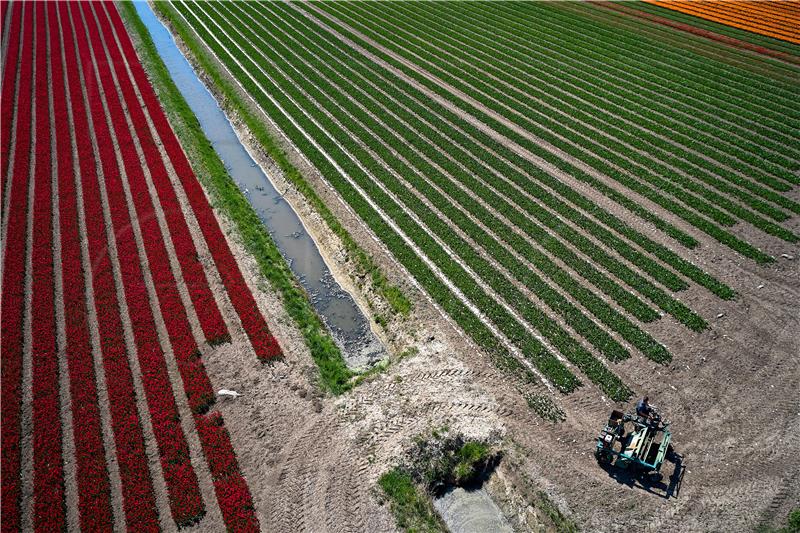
<point>634,442</point>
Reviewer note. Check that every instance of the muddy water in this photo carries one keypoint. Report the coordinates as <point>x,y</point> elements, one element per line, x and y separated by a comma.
<point>347,323</point>
<point>471,511</point>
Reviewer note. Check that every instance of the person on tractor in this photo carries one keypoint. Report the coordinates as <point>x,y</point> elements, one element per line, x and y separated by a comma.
<point>643,409</point>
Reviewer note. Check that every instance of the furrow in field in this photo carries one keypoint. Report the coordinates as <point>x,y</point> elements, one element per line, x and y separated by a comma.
<point>13,295</point>
<point>185,501</point>
<point>424,167</point>
<point>473,104</point>
<point>91,477</point>
<point>484,330</point>
<point>479,131</point>
<point>264,344</point>
<point>690,160</point>
<point>124,395</point>
<point>56,83</point>
<point>49,512</point>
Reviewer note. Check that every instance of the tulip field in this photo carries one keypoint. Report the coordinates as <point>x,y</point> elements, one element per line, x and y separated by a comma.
<point>106,305</point>
<point>508,156</point>
<point>578,203</point>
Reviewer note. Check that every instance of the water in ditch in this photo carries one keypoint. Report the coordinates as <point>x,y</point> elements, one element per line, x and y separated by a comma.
<point>470,510</point>
<point>347,323</point>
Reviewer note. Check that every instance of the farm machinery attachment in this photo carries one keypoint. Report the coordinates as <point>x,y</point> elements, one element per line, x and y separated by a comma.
<point>634,442</point>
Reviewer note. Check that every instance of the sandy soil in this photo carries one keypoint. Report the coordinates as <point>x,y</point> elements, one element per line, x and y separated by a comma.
<point>312,460</point>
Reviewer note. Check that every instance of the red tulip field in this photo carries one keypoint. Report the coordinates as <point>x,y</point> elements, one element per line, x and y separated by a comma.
<point>102,272</point>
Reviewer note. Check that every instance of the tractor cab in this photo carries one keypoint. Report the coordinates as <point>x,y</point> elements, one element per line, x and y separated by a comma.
<point>631,441</point>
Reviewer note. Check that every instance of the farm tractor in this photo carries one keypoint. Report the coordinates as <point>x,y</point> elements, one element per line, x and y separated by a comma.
<point>634,442</point>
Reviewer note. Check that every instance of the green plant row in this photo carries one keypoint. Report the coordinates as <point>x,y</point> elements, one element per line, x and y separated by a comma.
<point>702,76</point>
<point>402,138</point>
<point>701,223</point>
<point>723,29</point>
<point>630,103</point>
<point>463,149</point>
<point>693,119</point>
<point>570,348</point>
<point>442,118</point>
<point>227,198</point>
<point>534,350</point>
<point>698,166</point>
<point>394,296</point>
<point>653,166</point>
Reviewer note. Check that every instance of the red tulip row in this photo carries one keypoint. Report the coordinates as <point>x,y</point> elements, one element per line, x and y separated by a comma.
<point>233,495</point>
<point>137,488</point>
<point>186,502</point>
<point>208,313</point>
<point>48,474</point>
<point>94,497</point>
<point>195,380</point>
<point>236,505</point>
<point>264,344</point>
<point>13,294</point>
<point>9,78</point>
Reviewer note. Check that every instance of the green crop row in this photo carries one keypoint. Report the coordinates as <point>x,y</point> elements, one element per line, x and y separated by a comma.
<point>378,167</point>
<point>487,145</point>
<point>667,95</point>
<point>378,33</point>
<point>435,151</point>
<point>578,86</point>
<point>534,62</point>
<point>703,77</point>
<point>723,29</point>
<point>285,118</point>
<point>637,141</point>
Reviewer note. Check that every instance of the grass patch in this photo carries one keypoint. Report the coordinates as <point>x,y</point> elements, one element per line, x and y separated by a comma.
<point>411,506</point>
<point>229,200</point>
<point>398,302</point>
<point>434,462</point>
